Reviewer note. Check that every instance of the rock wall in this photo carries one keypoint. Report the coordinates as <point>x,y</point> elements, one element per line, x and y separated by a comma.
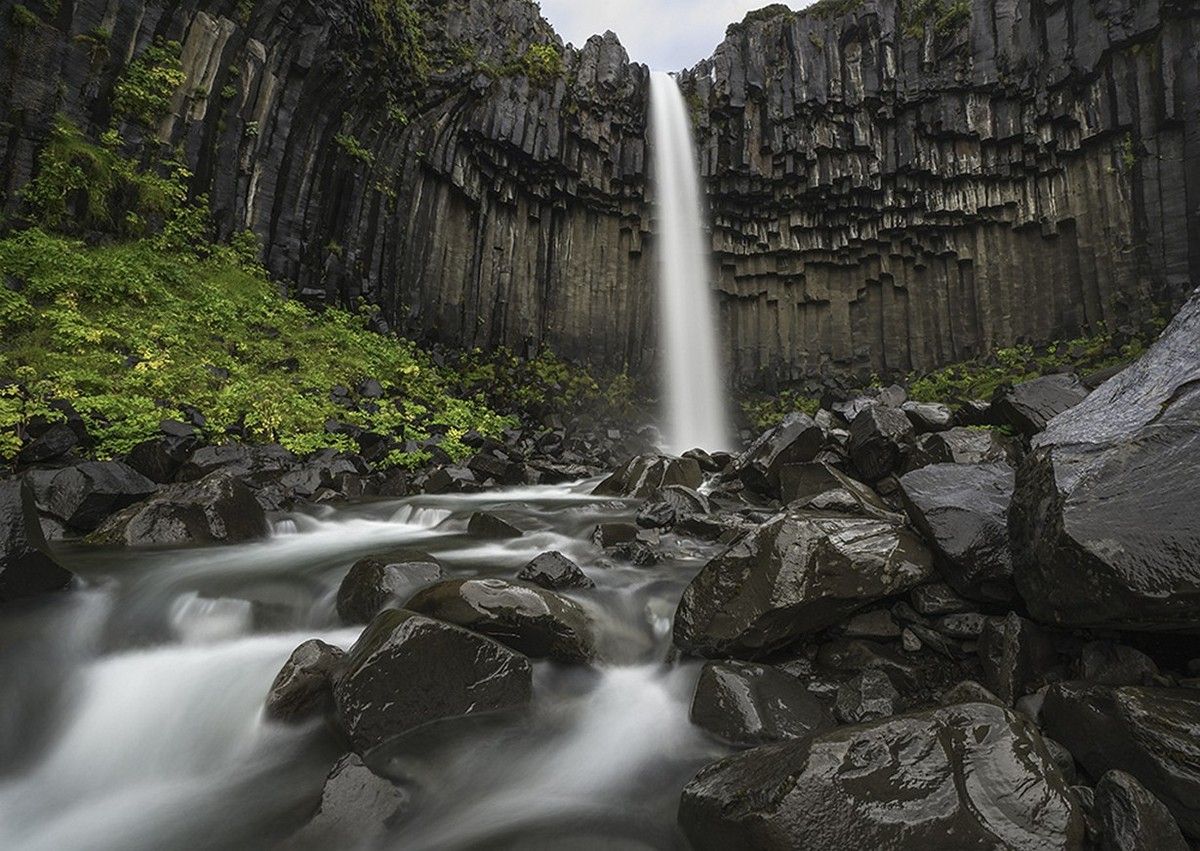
<point>890,194</point>
<point>882,199</point>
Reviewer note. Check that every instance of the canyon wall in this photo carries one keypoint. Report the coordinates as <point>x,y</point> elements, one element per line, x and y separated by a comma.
<point>887,194</point>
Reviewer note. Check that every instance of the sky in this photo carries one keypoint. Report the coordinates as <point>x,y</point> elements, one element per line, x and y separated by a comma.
<point>667,35</point>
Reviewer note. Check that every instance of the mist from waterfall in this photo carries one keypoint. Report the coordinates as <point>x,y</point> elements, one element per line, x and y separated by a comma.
<point>694,393</point>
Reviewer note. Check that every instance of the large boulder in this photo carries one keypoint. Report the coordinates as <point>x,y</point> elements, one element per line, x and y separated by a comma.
<point>963,446</point>
<point>1015,655</point>
<point>962,510</point>
<point>84,495</point>
<point>406,670</point>
<point>823,487</point>
<point>795,440</point>
<point>215,509</point>
<point>795,574</point>
<point>750,704</point>
<point>1151,733</point>
<point>880,439</point>
<point>26,566</point>
<point>254,464</point>
<point>1105,520</point>
<point>971,775</point>
<point>527,618</point>
<point>643,475</point>
<point>376,579</point>
<point>1030,405</point>
<point>1132,819</point>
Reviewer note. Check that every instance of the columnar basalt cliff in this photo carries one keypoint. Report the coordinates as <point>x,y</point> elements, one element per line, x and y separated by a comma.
<point>887,193</point>
<point>891,193</point>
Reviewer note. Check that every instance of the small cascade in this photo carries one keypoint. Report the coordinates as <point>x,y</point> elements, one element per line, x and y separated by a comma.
<point>693,389</point>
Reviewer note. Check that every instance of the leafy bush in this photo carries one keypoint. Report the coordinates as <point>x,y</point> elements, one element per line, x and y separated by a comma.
<point>541,63</point>
<point>144,90</point>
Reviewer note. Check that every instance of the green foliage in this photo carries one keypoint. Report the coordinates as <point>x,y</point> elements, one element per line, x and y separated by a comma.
<point>144,90</point>
<point>541,63</point>
<point>80,183</point>
<point>832,8</point>
<point>22,17</point>
<point>397,24</point>
<point>764,412</point>
<point>766,13</point>
<point>355,148</point>
<point>946,17</point>
<point>131,332</point>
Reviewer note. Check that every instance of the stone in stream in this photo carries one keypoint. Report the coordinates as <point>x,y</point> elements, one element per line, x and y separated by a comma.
<point>406,670</point>
<point>643,475</point>
<point>971,775</point>
<point>795,440</point>
<point>962,510</point>
<point>357,809</point>
<point>554,571</point>
<point>529,619</point>
<point>215,509</point>
<point>750,704</point>
<point>795,574</point>
<point>304,685</point>
<point>1132,819</point>
<point>484,524</point>
<point>374,580</point>
<point>1030,405</point>
<point>1151,733</point>
<point>82,496</point>
<point>26,566</point>
<point>1105,521</point>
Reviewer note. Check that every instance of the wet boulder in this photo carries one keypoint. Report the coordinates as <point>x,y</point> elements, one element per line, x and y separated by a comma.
<point>304,685</point>
<point>375,580</point>
<point>529,619</point>
<point>607,535</point>
<point>665,508</point>
<point>26,566</point>
<point>880,438</point>
<point>1015,654</point>
<point>554,571</point>
<point>866,696</point>
<point>971,775</point>
<point>57,440</point>
<point>823,487</point>
<point>215,509</point>
<point>643,475</point>
<point>1111,664</point>
<point>406,670</point>
<point>83,495</point>
<point>159,459</point>
<point>484,524</point>
<point>1132,819</point>
<point>795,574</point>
<point>795,440</point>
<point>256,465</point>
<point>962,510</point>
<point>1030,405</point>
<point>1151,733</point>
<point>1105,519</point>
<point>963,446</point>
<point>928,416</point>
<point>750,704</point>
<point>357,808</point>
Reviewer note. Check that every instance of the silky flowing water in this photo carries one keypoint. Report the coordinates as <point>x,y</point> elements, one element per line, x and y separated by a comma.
<point>132,716</point>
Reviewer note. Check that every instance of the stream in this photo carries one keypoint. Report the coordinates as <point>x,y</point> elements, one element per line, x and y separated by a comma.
<point>133,720</point>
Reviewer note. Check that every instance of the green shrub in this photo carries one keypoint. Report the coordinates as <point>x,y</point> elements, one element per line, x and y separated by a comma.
<point>143,91</point>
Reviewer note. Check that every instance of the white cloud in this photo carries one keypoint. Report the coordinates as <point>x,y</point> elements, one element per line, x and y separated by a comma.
<point>667,35</point>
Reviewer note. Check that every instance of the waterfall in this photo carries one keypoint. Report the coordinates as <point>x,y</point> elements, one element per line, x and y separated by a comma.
<point>692,387</point>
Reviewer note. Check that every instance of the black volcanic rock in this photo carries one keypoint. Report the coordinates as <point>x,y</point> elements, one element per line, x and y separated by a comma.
<point>795,574</point>
<point>1151,733</point>
<point>84,495</point>
<point>529,619</point>
<point>554,571</point>
<point>962,510</point>
<point>357,808</point>
<point>880,438</point>
<point>1028,406</point>
<point>644,475</point>
<point>304,685</point>
<point>1132,819</point>
<point>795,440</point>
<point>971,775</point>
<point>407,669</point>
<point>1105,521</point>
<point>375,579</point>
<point>26,566</point>
<point>752,704</point>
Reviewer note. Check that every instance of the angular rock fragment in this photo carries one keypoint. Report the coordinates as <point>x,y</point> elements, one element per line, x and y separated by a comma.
<point>1030,405</point>
<point>83,495</point>
<point>357,809</point>
<point>374,580</point>
<point>1132,819</point>
<point>554,571</point>
<point>643,475</point>
<point>880,438</point>
<point>1015,653</point>
<point>26,566</point>
<point>484,524</point>
<point>752,704</point>
<point>795,440</point>
<point>305,682</point>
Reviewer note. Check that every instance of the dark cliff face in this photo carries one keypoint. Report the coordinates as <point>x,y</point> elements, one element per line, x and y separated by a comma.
<point>890,194</point>
<point>881,200</point>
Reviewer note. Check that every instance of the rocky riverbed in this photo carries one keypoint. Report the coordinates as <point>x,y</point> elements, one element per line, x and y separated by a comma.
<point>874,626</point>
